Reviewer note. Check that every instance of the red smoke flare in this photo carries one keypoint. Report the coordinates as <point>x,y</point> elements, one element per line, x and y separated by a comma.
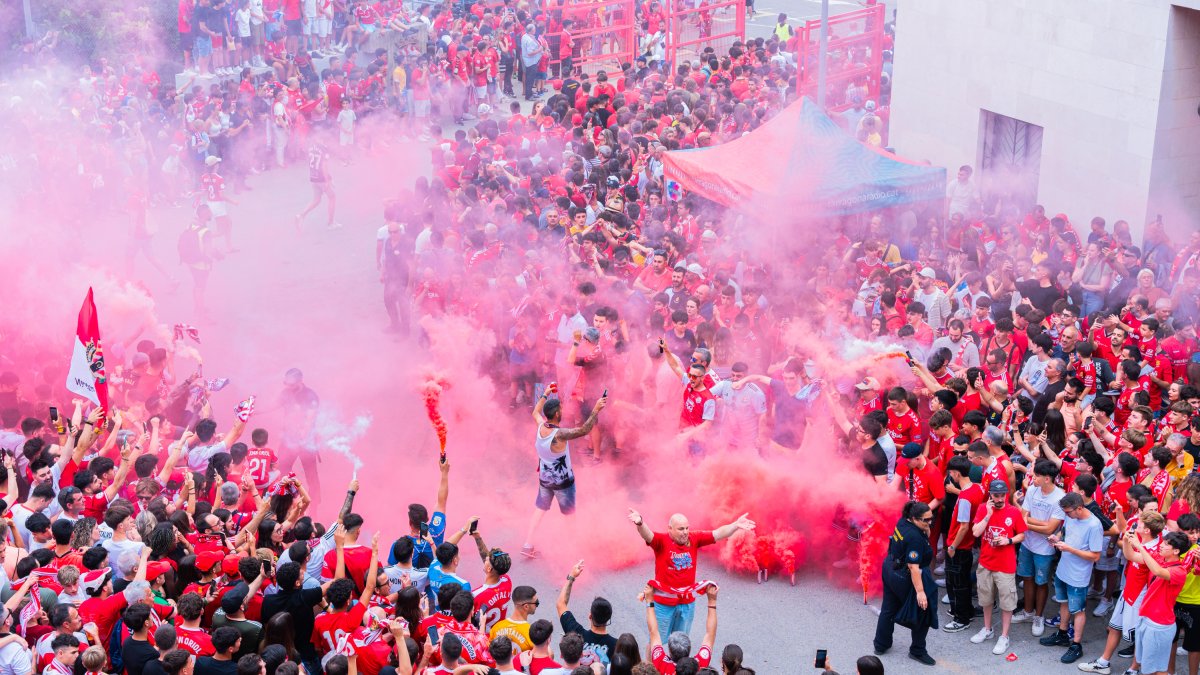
<point>872,548</point>
<point>431,391</point>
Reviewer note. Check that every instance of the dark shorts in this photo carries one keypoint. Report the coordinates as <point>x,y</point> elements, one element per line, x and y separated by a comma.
<point>294,26</point>
<point>1187,618</point>
<point>565,497</point>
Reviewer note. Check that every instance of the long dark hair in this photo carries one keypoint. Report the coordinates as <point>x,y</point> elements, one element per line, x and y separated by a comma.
<point>627,646</point>
<point>280,631</point>
<point>408,605</point>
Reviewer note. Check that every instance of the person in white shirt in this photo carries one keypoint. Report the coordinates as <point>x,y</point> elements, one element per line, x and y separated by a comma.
<point>39,500</point>
<point>937,303</point>
<point>961,192</point>
<point>1032,379</point>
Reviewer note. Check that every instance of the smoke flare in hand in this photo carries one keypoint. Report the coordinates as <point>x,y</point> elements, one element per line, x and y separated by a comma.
<point>431,391</point>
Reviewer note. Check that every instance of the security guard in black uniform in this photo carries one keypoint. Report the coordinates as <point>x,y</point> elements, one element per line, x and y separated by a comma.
<point>906,575</point>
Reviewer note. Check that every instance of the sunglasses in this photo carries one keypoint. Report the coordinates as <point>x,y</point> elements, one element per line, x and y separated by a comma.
<point>926,520</point>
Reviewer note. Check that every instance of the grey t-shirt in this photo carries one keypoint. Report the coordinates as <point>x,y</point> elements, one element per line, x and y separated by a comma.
<point>1042,507</point>
<point>1085,535</point>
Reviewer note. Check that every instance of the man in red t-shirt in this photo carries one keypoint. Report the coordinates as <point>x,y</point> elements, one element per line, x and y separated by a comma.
<point>675,556</point>
<point>358,557</point>
<point>960,542</point>
<point>679,645</point>
<point>1155,633</point>
<point>903,424</point>
<point>1000,528</point>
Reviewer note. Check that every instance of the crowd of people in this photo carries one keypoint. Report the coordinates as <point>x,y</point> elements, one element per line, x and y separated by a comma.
<point>1043,428</point>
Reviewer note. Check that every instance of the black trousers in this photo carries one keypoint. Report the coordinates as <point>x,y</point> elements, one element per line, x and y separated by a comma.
<point>887,624</point>
<point>959,586</point>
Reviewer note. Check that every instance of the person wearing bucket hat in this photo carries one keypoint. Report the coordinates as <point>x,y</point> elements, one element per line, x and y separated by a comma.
<point>1000,527</point>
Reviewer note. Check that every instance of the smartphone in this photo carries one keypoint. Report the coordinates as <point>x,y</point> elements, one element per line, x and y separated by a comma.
<point>53,414</point>
<point>424,530</point>
<point>909,358</point>
<point>822,654</point>
<point>474,526</point>
<point>604,394</point>
<point>433,635</point>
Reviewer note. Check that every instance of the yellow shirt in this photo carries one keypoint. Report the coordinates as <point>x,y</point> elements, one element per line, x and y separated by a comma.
<point>517,631</point>
<point>399,79</point>
<point>1179,470</point>
<point>1190,595</point>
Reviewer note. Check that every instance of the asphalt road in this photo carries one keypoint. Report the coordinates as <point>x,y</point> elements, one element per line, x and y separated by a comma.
<point>314,299</point>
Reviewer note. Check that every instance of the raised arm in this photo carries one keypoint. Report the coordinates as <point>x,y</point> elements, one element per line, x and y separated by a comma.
<point>400,630</point>
<point>588,424</point>
<point>121,472</point>
<point>372,571</point>
<point>480,546</point>
<point>726,531</point>
<point>647,596</point>
<point>564,596</point>
<point>348,502</point>
<point>710,624</point>
<point>459,534</point>
<point>672,360</point>
<point>636,519</point>
<point>443,486</point>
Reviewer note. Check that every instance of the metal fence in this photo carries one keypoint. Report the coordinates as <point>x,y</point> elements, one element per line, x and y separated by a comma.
<point>855,57</point>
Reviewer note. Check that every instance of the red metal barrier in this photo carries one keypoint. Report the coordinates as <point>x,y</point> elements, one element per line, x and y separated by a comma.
<point>855,57</point>
<point>693,25</point>
<point>602,32</point>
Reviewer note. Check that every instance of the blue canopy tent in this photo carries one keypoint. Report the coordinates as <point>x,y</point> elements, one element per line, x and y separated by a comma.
<point>802,160</point>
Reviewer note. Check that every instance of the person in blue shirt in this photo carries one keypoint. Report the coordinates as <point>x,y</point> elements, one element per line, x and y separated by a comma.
<point>426,533</point>
<point>444,570</point>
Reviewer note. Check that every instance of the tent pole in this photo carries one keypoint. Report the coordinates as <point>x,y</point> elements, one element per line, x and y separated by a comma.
<point>822,59</point>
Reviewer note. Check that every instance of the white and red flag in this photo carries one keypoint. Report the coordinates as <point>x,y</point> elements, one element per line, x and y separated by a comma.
<point>87,377</point>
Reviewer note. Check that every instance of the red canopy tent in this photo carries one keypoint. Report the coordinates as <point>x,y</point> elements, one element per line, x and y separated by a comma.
<point>802,159</point>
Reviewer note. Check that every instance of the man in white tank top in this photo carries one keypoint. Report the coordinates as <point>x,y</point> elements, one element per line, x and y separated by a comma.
<point>556,478</point>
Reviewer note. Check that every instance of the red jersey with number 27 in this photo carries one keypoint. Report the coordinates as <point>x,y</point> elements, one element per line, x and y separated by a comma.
<point>492,602</point>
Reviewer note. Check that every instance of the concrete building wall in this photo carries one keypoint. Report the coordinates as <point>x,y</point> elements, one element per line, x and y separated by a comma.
<point>1175,171</point>
<point>1089,72</point>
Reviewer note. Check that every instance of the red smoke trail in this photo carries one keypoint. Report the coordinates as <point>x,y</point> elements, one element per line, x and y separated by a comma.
<point>872,547</point>
<point>431,391</point>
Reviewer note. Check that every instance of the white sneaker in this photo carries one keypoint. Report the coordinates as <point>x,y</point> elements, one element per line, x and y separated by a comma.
<point>1001,646</point>
<point>1095,667</point>
<point>1180,651</point>
<point>1103,607</point>
<point>1039,626</point>
<point>1022,616</point>
<point>982,636</point>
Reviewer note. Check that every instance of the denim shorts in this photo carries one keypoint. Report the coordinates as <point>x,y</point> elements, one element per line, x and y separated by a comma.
<point>1036,565</point>
<point>203,47</point>
<point>1074,596</point>
<point>565,497</point>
